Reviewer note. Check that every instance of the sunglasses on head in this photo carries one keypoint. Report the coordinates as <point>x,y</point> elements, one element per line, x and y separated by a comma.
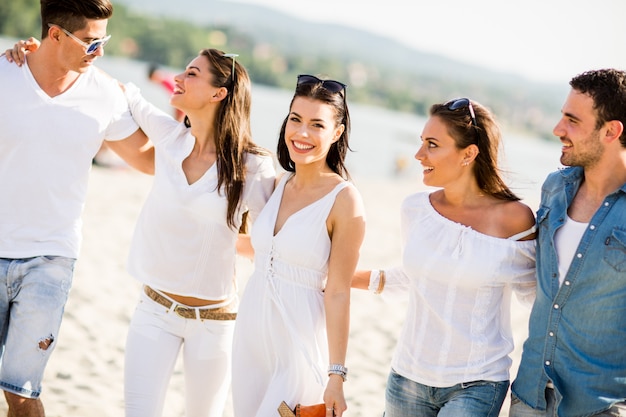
<point>330,85</point>
<point>232,71</point>
<point>90,48</point>
<point>461,103</point>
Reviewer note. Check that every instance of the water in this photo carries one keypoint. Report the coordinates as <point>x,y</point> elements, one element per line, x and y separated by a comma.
<point>383,141</point>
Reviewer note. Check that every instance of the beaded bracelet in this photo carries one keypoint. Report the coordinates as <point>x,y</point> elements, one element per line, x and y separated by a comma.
<point>337,369</point>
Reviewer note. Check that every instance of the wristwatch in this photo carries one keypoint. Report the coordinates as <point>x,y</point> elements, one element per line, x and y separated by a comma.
<point>337,369</point>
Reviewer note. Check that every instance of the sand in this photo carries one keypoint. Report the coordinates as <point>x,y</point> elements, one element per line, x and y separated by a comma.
<point>85,374</point>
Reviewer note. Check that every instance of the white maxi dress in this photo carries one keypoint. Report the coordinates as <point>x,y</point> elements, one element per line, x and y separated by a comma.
<point>280,348</point>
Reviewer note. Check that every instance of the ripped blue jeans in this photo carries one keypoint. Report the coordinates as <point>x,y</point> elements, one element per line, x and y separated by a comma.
<point>33,292</point>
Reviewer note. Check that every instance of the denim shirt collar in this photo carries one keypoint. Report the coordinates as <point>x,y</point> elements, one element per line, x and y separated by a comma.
<point>573,177</point>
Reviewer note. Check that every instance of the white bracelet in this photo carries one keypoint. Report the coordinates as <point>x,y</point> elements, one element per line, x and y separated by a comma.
<point>381,281</point>
<point>338,369</point>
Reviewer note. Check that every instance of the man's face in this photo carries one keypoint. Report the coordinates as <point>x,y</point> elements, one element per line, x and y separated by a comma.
<point>577,131</point>
<point>72,54</point>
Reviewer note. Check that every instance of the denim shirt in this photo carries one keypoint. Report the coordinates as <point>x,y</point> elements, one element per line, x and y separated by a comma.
<point>577,331</point>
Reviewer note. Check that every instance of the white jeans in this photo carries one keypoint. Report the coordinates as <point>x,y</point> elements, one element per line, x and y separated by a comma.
<point>155,338</point>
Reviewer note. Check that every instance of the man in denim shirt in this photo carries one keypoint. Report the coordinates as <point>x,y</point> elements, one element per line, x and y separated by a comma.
<point>574,360</point>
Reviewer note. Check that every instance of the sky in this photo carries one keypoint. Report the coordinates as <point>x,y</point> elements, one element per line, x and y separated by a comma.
<point>543,40</point>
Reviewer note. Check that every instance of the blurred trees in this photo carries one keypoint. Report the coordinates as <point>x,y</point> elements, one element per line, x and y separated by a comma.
<point>174,43</point>
<point>20,18</point>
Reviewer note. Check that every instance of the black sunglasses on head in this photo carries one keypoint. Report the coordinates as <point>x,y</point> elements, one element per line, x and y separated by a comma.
<point>330,85</point>
<point>461,103</point>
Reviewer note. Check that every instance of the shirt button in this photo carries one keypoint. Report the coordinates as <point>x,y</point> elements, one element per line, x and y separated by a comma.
<point>547,363</point>
<point>606,204</point>
<point>579,255</point>
<point>592,227</point>
<point>556,306</point>
<point>566,283</point>
<point>551,334</point>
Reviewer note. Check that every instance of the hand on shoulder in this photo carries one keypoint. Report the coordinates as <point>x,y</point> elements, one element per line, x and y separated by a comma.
<point>17,54</point>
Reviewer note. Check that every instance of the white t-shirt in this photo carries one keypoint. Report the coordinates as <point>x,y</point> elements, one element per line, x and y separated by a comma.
<point>459,283</point>
<point>46,148</point>
<point>182,243</point>
<point>566,240</point>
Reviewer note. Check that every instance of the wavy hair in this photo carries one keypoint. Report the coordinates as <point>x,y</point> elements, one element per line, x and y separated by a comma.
<point>233,137</point>
<point>487,136</point>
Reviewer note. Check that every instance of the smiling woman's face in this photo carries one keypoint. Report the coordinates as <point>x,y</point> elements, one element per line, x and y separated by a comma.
<point>439,155</point>
<point>310,130</point>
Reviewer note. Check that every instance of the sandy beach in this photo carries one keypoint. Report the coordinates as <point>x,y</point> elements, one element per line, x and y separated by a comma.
<point>85,374</point>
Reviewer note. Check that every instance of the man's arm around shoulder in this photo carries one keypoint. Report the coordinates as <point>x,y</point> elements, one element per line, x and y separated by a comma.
<point>136,150</point>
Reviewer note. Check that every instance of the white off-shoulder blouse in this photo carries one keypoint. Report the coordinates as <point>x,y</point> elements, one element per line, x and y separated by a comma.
<point>459,284</point>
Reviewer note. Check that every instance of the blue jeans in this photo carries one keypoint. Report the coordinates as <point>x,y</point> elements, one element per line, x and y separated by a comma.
<point>33,292</point>
<point>406,398</point>
<point>519,409</point>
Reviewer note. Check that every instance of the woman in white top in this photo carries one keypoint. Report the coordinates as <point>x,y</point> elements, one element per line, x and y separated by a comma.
<point>466,246</point>
<point>292,330</point>
<point>210,180</point>
<point>208,173</point>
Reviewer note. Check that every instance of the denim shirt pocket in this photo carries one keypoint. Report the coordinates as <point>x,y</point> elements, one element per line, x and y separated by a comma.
<point>615,252</point>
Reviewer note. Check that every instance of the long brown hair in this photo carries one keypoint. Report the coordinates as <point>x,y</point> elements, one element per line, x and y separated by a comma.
<point>486,135</point>
<point>337,152</point>
<point>233,138</point>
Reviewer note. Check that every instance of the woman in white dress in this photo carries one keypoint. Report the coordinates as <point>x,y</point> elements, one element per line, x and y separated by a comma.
<point>292,330</point>
<point>466,247</point>
<point>208,173</point>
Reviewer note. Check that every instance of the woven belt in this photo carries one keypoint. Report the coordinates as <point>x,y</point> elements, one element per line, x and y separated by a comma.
<point>220,313</point>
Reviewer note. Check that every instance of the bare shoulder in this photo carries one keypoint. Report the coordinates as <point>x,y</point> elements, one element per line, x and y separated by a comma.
<point>346,220</point>
<point>516,217</point>
<point>349,199</point>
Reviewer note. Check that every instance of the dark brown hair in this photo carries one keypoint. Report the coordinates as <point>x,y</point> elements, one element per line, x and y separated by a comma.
<point>337,152</point>
<point>72,15</point>
<point>486,135</point>
<point>607,88</point>
<point>233,138</point>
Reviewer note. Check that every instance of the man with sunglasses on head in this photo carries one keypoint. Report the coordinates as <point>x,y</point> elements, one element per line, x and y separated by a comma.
<point>574,360</point>
<point>55,112</point>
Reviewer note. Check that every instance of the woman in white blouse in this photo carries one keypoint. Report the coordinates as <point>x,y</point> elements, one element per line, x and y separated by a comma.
<point>210,179</point>
<point>466,247</point>
<point>208,173</point>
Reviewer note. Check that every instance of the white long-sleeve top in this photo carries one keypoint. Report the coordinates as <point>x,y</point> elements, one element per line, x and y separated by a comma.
<point>182,243</point>
<point>459,284</point>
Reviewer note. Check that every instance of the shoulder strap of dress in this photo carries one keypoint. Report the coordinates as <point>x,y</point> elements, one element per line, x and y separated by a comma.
<point>283,179</point>
<point>329,199</point>
<point>340,187</point>
<point>523,234</point>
